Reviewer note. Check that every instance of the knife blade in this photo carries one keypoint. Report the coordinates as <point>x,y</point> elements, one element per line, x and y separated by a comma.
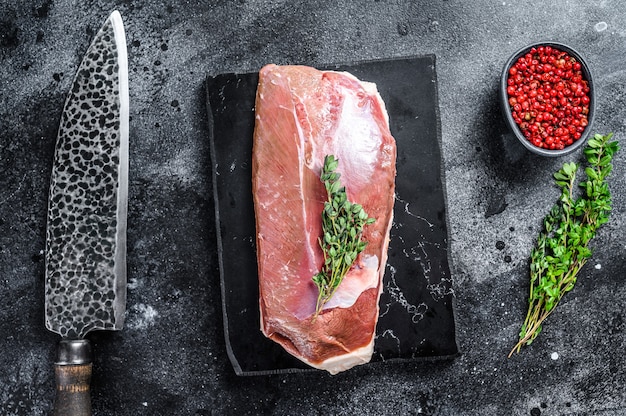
<point>85,271</point>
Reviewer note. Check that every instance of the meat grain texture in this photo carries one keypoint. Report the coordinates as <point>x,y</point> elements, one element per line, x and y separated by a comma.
<point>302,115</point>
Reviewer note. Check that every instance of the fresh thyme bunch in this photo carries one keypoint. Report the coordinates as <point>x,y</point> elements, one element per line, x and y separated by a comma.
<point>342,228</point>
<point>562,248</point>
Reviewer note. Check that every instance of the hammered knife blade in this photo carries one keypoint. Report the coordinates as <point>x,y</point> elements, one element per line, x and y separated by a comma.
<point>85,272</point>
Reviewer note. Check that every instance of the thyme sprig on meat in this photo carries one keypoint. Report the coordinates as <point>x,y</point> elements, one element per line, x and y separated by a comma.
<point>562,248</point>
<point>342,230</point>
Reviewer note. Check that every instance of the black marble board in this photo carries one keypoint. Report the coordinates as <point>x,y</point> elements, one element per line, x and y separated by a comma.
<point>416,312</point>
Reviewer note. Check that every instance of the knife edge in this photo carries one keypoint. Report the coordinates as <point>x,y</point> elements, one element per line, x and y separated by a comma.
<point>122,194</point>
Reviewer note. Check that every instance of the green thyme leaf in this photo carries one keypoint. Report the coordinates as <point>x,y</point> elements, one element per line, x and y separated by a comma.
<point>342,230</point>
<point>562,246</point>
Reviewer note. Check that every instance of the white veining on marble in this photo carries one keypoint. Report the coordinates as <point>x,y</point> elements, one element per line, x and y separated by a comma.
<point>389,334</point>
<point>419,253</point>
<point>395,293</point>
<point>408,211</point>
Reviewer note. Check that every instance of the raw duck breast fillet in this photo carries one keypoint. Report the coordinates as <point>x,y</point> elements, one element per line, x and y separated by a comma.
<point>302,115</point>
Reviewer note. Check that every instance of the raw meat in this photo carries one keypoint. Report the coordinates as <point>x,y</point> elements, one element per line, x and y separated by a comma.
<point>302,115</point>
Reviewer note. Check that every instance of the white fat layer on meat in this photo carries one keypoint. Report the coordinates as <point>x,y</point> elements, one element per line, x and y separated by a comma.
<point>345,362</point>
<point>356,281</point>
<point>356,140</point>
<point>372,89</point>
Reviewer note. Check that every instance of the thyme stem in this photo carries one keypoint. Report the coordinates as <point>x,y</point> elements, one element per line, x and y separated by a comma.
<point>342,229</point>
<point>562,247</point>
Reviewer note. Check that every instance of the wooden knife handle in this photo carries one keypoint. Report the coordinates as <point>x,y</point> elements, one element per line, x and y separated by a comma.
<point>73,377</point>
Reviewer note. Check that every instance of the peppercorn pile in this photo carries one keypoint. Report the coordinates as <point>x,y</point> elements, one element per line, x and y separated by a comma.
<point>549,97</point>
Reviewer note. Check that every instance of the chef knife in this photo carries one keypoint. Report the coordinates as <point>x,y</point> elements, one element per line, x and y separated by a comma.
<point>85,272</point>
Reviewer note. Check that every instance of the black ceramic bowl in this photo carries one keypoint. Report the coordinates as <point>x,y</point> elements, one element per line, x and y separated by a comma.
<point>506,108</point>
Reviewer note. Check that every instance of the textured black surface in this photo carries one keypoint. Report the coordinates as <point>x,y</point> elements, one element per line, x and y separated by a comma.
<point>416,318</point>
<point>171,358</point>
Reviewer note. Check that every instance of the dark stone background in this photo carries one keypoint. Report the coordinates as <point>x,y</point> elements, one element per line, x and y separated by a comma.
<point>171,357</point>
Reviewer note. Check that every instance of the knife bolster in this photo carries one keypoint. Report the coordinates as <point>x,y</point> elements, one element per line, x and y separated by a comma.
<point>73,377</point>
<point>74,352</point>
